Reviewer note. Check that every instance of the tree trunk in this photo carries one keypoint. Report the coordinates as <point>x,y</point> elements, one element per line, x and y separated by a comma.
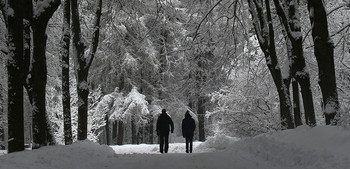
<point>296,103</point>
<point>114,132</point>
<point>120,136</point>
<point>201,118</point>
<point>324,52</point>
<point>64,52</point>
<point>292,26</point>
<point>133,130</point>
<point>35,67</point>
<point>15,77</point>
<point>107,130</point>
<point>265,32</point>
<point>151,128</point>
<point>82,64</point>
<point>37,83</point>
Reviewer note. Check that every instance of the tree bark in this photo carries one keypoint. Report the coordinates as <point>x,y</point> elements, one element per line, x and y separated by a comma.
<point>64,52</point>
<point>292,26</point>
<point>15,76</point>
<point>265,32</point>
<point>36,78</point>
<point>324,53</point>
<point>82,64</point>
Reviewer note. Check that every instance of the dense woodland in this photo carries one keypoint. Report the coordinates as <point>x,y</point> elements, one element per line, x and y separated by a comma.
<point>102,70</point>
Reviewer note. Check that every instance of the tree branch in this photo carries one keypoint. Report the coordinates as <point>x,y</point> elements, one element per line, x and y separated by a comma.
<point>284,18</point>
<point>96,34</point>
<point>328,13</point>
<point>338,7</point>
<point>45,9</point>
<point>340,30</point>
<point>4,51</point>
<point>199,25</point>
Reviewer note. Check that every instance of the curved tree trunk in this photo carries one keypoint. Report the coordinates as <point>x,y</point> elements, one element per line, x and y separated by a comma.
<point>42,135</point>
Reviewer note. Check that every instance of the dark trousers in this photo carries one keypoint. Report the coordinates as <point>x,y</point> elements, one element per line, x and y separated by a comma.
<point>189,140</point>
<point>164,143</point>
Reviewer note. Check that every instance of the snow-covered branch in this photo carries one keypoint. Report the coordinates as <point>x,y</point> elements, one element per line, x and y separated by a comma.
<point>200,23</point>
<point>45,9</point>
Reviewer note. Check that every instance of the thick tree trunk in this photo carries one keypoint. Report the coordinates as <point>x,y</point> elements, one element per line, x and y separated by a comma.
<point>64,52</point>
<point>120,136</point>
<point>15,77</point>
<point>324,52</point>
<point>35,67</point>
<point>37,83</point>
<point>83,94</point>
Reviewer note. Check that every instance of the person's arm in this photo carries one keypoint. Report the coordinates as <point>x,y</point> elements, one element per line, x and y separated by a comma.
<point>172,125</point>
<point>157,127</point>
<point>183,128</point>
<point>194,125</point>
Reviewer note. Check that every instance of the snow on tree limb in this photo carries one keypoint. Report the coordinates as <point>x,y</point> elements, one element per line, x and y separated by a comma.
<point>45,9</point>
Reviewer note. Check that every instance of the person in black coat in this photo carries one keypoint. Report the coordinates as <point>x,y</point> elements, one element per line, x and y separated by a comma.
<point>164,123</point>
<point>188,127</point>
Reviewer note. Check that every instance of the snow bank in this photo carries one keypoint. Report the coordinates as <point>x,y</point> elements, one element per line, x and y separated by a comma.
<point>218,142</point>
<point>321,147</point>
<point>83,154</point>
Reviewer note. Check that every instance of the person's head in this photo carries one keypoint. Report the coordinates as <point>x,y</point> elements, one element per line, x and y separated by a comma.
<point>163,111</point>
<point>187,114</point>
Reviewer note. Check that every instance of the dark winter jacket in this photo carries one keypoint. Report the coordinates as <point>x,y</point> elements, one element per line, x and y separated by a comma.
<point>188,126</point>
<point>164,123</point>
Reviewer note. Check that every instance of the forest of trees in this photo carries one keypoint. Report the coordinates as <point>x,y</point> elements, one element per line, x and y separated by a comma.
<point>102,70</point>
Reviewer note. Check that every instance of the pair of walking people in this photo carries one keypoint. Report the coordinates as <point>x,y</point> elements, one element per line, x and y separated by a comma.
<point>165,125</point>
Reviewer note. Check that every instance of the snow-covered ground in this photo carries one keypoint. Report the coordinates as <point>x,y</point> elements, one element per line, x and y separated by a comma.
<point>322,147</point>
